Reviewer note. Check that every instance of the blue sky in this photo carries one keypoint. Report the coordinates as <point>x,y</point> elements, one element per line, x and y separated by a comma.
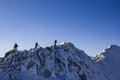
<point>91,25</point>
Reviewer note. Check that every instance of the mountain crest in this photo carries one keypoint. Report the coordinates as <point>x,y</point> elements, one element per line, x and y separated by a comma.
<point>62,62</point>
<point>58,62</point>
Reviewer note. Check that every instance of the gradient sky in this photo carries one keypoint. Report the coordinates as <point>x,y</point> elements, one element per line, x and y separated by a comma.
<point>91,25</point>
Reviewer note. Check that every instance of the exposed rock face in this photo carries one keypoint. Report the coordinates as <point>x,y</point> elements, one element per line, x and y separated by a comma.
<point>63,62</point>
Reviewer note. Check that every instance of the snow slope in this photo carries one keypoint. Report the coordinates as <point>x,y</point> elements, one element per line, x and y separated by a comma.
<point>62,62</point>
<point>109,63</point>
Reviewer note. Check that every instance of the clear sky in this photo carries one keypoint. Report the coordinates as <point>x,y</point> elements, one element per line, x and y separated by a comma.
<point>91,25</point>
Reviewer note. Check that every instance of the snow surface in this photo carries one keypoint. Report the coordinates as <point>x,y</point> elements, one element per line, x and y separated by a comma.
<point>110,64</point>
<point>62,62</point>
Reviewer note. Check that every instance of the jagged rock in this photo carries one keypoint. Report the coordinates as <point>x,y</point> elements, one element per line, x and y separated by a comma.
<point>64,61</point>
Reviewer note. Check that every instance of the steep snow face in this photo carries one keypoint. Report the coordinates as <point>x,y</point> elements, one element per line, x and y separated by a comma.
<point>109,63</point>
<point>62,62</point>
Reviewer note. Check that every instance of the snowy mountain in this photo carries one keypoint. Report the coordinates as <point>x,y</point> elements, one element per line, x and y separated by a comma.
<point>62,62</point>
<point>109,63</point>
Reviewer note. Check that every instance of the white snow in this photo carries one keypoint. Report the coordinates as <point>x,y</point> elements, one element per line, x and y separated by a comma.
<point>110,65</point>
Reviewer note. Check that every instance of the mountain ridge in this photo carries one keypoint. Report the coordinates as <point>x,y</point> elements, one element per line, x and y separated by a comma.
<point>58,62</point>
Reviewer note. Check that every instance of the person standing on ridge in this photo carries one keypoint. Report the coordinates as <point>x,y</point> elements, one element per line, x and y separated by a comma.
<point>36,45</point>
<point>55,42</point>
<point>10,52</point>
<point>15,46</point>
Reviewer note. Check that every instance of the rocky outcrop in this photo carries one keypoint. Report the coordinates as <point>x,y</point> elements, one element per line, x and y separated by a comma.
<point>64,61</point>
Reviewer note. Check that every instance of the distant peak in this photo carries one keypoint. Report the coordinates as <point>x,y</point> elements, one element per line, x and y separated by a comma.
<point>113,46</point>
<point>111,52</point>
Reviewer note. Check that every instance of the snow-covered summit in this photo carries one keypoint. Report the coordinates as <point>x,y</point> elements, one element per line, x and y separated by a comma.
<point>109,63</point>
<point>67,44</point>
<point>111,48</point>
<point>113,51</point>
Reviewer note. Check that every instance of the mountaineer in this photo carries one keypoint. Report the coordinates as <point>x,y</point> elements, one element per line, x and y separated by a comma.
<point>36,46</point>
<point>10,52</point>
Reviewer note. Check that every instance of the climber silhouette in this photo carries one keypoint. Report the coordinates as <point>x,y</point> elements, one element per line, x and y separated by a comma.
<point>10,52</point>
<point>15,46</point>
<point>55,42</point>
<point>36,45</point>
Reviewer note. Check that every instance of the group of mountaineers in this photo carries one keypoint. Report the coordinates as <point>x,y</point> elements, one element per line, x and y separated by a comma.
<point>15,50</point>
<point>49,61</point>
